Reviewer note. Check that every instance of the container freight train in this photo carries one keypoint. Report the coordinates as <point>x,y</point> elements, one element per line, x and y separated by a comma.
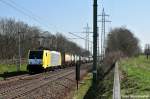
<point>41,60</point>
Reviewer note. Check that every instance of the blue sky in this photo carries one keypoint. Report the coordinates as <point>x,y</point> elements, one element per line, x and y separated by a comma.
<point>72,15</point>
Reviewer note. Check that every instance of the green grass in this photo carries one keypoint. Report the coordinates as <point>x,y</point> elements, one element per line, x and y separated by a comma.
<point>83,87</point>
<point>136,76</point>
<point>10,68</point>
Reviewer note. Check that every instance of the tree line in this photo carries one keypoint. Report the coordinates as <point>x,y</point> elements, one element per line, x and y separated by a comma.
<point>122,42</point>
<point>32,38</point>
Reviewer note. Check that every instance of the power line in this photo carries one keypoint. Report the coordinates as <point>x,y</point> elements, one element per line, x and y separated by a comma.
<point>73,38</point>
<point>83,32</point>
<point>30,12</point>
<point>87,36</point>
<point>12,6</point>
<point>25,9</point>
<point>23,12</point>
<point>103,32</point>
<point>87,30</point>
<point>79,36</point>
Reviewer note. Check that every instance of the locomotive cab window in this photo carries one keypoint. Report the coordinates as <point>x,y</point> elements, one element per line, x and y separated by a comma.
<point>36,55</point>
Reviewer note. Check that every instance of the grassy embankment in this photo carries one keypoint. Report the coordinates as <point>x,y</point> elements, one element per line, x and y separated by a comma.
<point>103,90</point>
<point>83,87</point>
<point>11,70</point>
<point>135,76</point>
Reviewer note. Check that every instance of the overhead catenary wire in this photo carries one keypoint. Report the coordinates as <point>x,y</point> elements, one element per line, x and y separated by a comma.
<point>83,32</point>
<point>21,7</point>
<point>30,12</point>
<point>79,36</point>
<point>73,38</point>
<point>25,12</point>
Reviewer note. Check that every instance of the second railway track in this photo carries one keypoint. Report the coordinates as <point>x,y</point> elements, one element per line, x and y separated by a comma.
<point>31,85</point>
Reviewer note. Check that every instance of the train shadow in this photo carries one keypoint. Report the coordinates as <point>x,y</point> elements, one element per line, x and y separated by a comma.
<point>11,74</point>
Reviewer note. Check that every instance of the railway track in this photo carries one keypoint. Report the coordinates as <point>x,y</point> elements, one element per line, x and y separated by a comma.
<point>41,85</point>
<point>12,81</point>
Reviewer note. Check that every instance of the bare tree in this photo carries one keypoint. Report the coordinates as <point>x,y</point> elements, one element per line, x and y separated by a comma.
<point>32,38</point>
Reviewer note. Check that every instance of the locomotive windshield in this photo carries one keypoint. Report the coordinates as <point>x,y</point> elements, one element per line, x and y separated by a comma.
<point>36,55</point>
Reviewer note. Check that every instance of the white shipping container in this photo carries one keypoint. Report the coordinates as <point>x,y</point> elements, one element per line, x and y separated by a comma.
<point>72,57</point>
<point>55,58</point>
<point>67,57</point>
<point>76,58</point>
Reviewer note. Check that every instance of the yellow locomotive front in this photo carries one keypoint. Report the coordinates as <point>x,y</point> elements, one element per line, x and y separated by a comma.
<point>43,60</point>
